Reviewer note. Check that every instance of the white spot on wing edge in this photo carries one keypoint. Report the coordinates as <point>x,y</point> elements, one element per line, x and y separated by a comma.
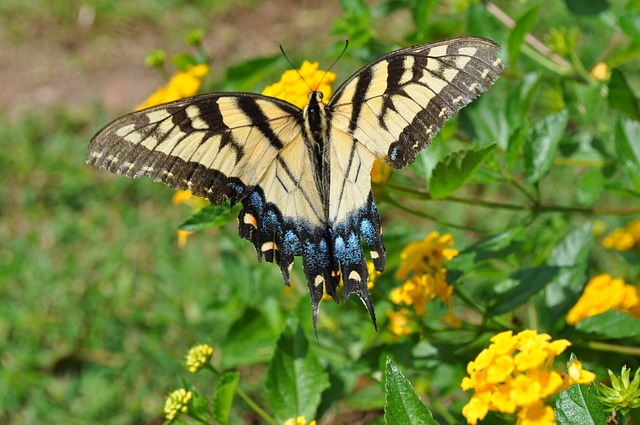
<point>374,254</point>
<point>319,280</point>
<point>250,220</point>
<point>268,246</point>
<point>354,275</point>
<point>439,50</point>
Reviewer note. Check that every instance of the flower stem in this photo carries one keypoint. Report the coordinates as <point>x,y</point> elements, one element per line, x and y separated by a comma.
<point>614,348</point>
<point>264,415</point>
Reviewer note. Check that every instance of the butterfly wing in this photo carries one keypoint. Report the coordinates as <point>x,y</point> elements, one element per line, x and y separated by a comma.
<point>395,105</point>
<point>231,145</point>
<point>391,109</point>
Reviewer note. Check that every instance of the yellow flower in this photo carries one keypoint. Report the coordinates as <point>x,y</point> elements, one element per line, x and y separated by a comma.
<point>620,296</point>
<point>514,374</point>
<point>380,171</point>
<point>623,239</point>
<point>423,266</point>
<point>177,403</point>
<point>295,85</point>
<point>600,71</point>
<point>578,375</point>
<point>399,323</point>
<point>198,356</point>
<point>426,256</point>
<point>182,237</point>
<point>182,84</point>
<point>300,420</point>
<point>536,414</point>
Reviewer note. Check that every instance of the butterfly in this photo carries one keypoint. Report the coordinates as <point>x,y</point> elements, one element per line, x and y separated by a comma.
<point>303,175</point>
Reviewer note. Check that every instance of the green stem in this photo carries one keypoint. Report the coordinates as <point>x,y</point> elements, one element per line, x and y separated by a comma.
<point>538,208</point>
<point>614,348</point>
<point>264,415</point>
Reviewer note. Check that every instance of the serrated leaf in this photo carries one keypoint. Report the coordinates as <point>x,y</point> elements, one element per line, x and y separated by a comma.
<point>611,324</point>
<point>402,404</point>
<point>541,145</point>
<point>295,378</point>
<point>627,134</point>
<point>526,283</point>
<point>210,216</point>
<point>455,169</point>
<point>223,397</point>
<point>522,26</point>
<point>621,97</point>
<point>578,405</point>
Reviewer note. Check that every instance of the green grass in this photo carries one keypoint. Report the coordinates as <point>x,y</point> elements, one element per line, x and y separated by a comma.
<point>99,303</point>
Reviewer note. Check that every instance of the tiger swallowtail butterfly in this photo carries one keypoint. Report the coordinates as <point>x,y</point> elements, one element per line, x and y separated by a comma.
<point>303,175</point>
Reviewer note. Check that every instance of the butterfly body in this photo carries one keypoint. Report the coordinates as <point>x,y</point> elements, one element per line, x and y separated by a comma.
<point>302,175</point>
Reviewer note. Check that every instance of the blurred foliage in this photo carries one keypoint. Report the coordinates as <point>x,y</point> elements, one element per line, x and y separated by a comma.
<point>99,303</point>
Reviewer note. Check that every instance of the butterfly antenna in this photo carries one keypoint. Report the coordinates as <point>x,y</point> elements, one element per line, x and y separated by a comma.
<point>344,49</point>
<point>294,67</point>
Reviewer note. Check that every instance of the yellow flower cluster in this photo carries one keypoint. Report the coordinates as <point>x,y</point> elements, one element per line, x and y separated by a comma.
<point>177,403</point>
<point>514,374</point>
<point>198,356</point>
<point>623,239</point>
<point>423,269</point>
<point>619,296</point>
<point>182,84</point>
<point>295,85</point>
<point>300,420</point>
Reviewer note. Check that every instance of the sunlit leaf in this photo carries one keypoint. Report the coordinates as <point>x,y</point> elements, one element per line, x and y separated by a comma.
<point>223,396</point>
<point>455,169</point>
<point>403,406</point>
<point>541,145</point>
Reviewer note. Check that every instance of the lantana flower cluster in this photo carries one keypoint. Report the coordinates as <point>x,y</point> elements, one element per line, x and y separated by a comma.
<point>425,278</point>
<point>300,420</point>
<point>514,374</point>
<point>620,296</point>
<point>295,85</point>
<point>182,84</point>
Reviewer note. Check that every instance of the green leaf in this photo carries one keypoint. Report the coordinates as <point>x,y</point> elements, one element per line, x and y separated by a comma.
<point>402,405</point>
<point>295,378</point>
<point>249,74</point>
<point>523,285</point>
<point>520,99</point>
<point>627,134</point>
<point>579,404</point>
<point>572,254</point>
<point>455,169</point>
<point>210,216</point>
<point>541,145</point>
<point>223,397</point>
<point>249,340</point>
<point>522,26</point>
<point>590,7</point>
<point>630,24</point>
<point>611,324</point>
<point>621,97</point>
